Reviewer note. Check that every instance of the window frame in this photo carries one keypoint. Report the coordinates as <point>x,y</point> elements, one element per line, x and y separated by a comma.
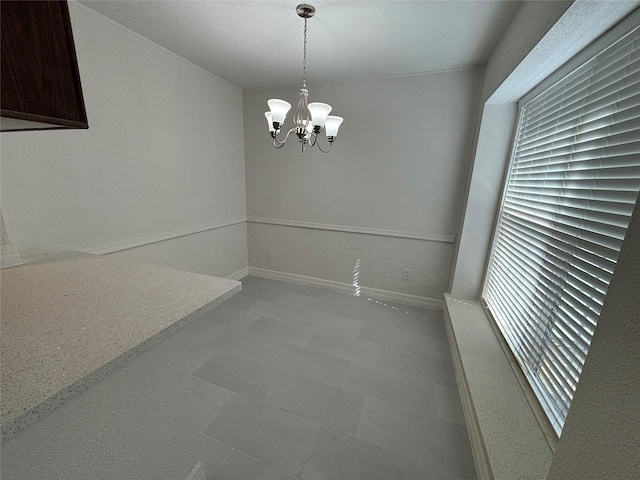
<point>617,32</point>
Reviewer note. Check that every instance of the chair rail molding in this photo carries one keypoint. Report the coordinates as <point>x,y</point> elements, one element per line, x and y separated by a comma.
<point>159,237</point>
<point>354,229</point>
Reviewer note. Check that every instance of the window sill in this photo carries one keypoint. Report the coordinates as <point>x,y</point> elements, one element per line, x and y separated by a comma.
<point>507,439</point>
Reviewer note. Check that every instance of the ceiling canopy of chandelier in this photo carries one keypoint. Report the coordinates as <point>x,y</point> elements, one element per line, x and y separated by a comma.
<point>309,118</point>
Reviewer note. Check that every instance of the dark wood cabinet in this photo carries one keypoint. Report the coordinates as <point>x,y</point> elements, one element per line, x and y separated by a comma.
<point>40,81</point>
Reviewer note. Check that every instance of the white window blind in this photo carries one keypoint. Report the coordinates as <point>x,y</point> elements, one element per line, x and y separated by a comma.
<point>573,182</point>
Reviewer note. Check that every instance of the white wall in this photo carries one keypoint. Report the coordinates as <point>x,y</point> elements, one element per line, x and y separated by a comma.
<point>398,165</point>
<point>163,153</point>
<point>530,24</point>
<point>220,252</point>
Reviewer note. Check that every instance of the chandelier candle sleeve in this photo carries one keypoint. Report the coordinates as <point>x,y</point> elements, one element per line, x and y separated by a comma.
<point>279,110</point>
<point>269,121</point>
<point>332,125</point>
<point>319,112</point>
<point>309,118</point>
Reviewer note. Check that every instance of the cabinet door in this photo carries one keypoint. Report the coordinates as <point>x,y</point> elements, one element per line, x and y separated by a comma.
<point>40,79</point>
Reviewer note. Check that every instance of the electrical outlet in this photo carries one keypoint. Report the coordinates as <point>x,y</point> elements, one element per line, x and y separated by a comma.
<point>267,254</point>
<point>406,274</point>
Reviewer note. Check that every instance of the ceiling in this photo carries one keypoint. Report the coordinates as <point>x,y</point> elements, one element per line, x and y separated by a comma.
<point>259,43</point>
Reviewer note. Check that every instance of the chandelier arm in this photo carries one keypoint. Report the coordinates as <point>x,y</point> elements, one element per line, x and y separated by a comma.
<point>320,148</point>
<point>277,142</point>
<point>317,143</point>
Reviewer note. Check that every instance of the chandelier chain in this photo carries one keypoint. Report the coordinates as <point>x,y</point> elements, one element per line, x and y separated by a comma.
<point>304,56</point>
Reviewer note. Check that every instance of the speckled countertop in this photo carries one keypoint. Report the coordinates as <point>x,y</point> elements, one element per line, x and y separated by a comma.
<point>66,323</point>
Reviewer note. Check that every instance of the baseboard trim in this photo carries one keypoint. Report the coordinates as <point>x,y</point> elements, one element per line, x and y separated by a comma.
<point>386,295</point>
<point>160,237</point>
<point>240,274</point>
<point>352,229</point>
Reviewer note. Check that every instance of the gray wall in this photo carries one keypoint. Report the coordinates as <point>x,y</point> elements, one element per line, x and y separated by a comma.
<point>398,166</point>
<point>163,156</point>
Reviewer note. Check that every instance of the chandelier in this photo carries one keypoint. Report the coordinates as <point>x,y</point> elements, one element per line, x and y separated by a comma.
<point>309,118</point>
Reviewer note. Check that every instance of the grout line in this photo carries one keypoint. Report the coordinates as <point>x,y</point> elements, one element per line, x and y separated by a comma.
<point>360,417</point>
<point>225,458</point>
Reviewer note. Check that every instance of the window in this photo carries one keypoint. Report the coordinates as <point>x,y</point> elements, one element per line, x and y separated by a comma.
<point>573,181</point>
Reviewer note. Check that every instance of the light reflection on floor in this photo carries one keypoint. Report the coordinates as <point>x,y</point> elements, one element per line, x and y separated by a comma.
<point>356,289</point>
<point>356,276</point>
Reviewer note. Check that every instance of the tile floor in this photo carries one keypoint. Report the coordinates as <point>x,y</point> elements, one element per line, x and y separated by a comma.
<point>294,382</point>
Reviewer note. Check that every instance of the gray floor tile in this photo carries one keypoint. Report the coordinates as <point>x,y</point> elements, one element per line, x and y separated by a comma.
<point>341,305</point>
<point>311,364</point>
<point>275,329</point>
<point>229,316</point>
<point>302,289</point>
<point>438,473</point>
<point>298,300</point>
<point>239,374</point>
<point>410,421</point>
<point>396,337</point>
<point>413,364</point>
<point>403,391</point>
<point>253,281</point>
<point>331,323</point>
<point>417,435</point>
<point>197,354</point>
<point>211,453</point>
<point>448,404</point>
<point>240,466</point>
<point>331,296</point>
<point>202,330</point>
<point>262,292</point>
<point>272,435</point>
<point>278,310</point>
<point>349,348</point>
<point>429,325</point>
<point>245,344</point>
<point>318,401</point>
<point>208,400</point>
<point>433,315</point>
<point>340,456</point>
<point>241,301</point>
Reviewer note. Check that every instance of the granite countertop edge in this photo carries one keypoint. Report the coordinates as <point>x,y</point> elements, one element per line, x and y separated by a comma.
<point>13,426</point>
